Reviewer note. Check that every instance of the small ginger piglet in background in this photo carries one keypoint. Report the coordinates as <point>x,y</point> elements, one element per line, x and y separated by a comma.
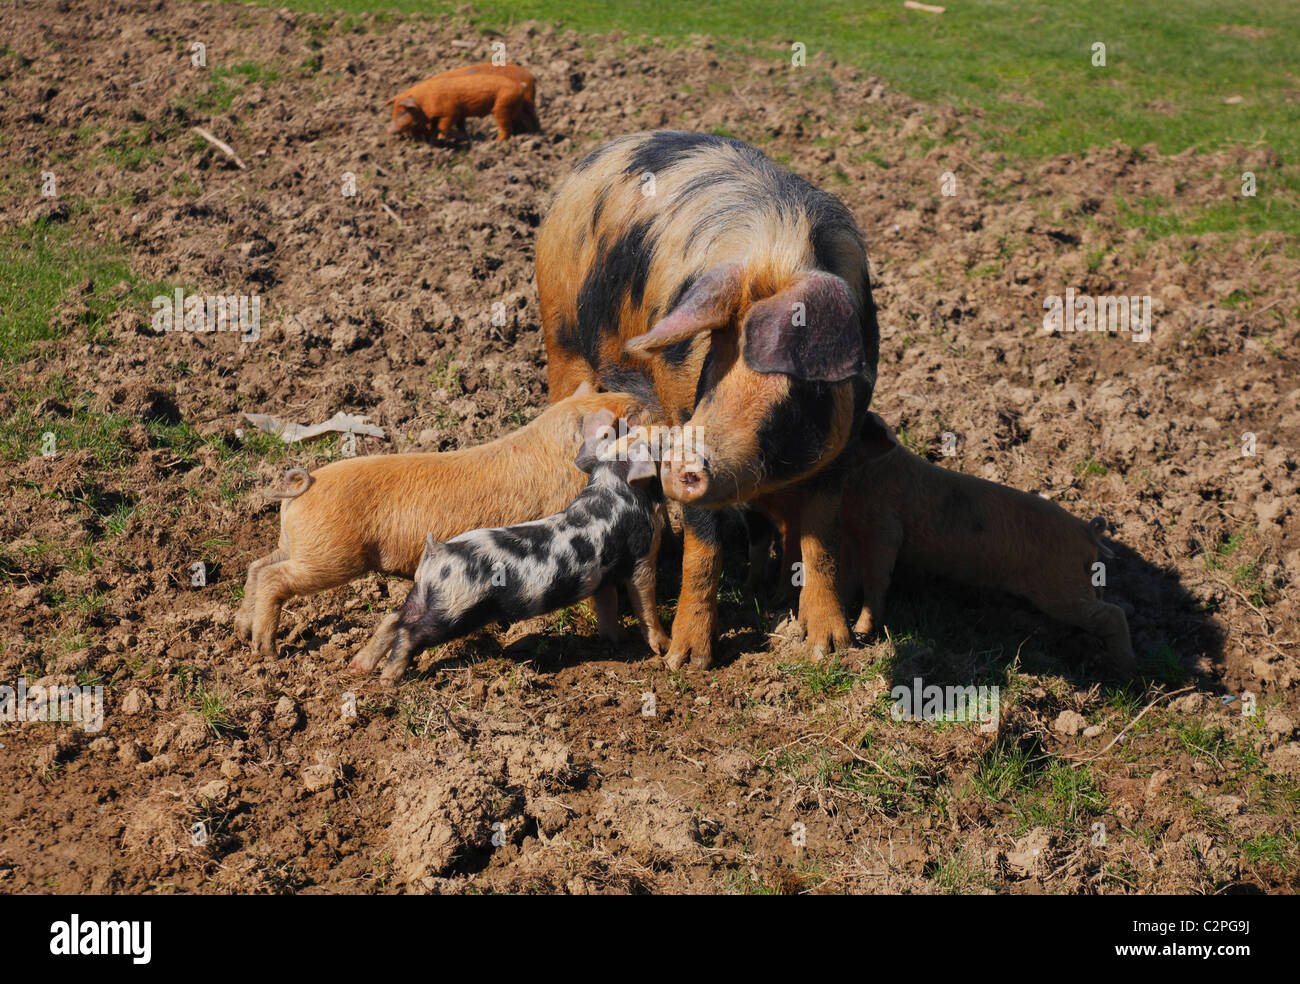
<point>444,101</point>
<point>610,534</point>
<point>367,514</point>
<point>900,507</point>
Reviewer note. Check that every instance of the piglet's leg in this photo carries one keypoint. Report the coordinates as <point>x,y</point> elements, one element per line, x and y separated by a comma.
<point>877,560</point>
<point>244,620</point>
<point>641,590</point>
<point>605,604</point>
<point>1105,620</point>
<point>368,658</point>
<point>398,660</point>
<point>502,113</point>
<point>820,614</point>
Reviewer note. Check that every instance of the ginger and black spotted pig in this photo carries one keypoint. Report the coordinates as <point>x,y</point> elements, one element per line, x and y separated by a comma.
<point>739,293</point>
<point>900,508</point>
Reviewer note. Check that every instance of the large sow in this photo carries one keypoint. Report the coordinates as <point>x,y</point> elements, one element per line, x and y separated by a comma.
<point>693,266</point>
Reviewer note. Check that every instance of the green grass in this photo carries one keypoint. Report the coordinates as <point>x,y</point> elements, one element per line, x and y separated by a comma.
<point>40,266</point>
<point>1027,66</point>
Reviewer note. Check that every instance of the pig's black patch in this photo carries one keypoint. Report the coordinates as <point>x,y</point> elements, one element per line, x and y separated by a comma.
<point>664,148</point>
<point>521,541</point>
<point>792,437</point>
<point>706,381</point>
<point>620,270</point>
<point>595,155</point>
<point>583,549</point>
<point>704,523</point>
<point>599,208</point>
<point>622,379</point>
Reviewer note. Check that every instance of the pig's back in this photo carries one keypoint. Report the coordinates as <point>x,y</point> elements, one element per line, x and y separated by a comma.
<point>981,533</point>
<point>612,243</point>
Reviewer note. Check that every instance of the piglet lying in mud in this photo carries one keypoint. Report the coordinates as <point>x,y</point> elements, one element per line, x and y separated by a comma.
<point>899,507</point>
<point>609,534</point>
<point>367,514</point>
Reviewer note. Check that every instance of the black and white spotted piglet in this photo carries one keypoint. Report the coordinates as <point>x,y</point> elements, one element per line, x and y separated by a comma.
<point>609,534</point>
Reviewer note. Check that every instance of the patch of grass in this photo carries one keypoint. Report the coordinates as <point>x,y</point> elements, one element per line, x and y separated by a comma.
<point>1241,565</point>
<point>1282,850</point>
<point>40,266</point>
<point>1169,70</point>
<point>824,678</point>
<point>958,875</point>
<point>1090,466</point>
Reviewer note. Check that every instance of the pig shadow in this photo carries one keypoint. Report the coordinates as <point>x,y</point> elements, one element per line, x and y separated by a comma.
<point>950,634</point>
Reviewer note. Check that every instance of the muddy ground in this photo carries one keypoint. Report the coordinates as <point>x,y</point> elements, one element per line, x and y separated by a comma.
<point>522,761</point>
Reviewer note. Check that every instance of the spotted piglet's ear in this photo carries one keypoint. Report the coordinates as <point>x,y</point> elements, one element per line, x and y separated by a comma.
<point>810,331</point>
<point>642,462</point>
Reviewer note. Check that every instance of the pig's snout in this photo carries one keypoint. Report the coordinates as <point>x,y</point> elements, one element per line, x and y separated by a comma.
<point>685,479</point>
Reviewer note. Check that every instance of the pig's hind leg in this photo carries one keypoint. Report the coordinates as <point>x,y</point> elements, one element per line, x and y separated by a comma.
<point>641,591</point>
<point>244,618</point>
<point>877,564</point>
<point>276,584</point>
<point>1103,619</point>
<point>503,112</point>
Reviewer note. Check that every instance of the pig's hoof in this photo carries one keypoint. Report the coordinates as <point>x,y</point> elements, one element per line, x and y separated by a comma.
<point>701,659</point>
<point>865,625</point>
<point>659,643</point>
<point>823,640</point>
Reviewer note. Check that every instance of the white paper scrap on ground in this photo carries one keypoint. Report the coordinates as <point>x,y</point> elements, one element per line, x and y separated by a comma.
<point>290,433</point>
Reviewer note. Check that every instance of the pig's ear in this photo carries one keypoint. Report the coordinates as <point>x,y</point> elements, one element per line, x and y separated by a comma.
<point>877,438</point>
<point>589,454</point>
<point>430,545</point>
<point>597,432</point>
<point>810,331</point>
<point>710,303</point>
<point>584,388</point>
<point>642,462</point>
<point>411,106</point>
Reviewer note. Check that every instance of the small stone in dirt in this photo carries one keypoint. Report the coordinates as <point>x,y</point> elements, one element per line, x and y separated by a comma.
<point>321,776</point>
<point>1226,805</point>
<point>130,752</point>
<point>1279,725</point>
<point>230,768</point>
<point>1188,704</point>
<point>737,764</point>
<point>1093,730</point>
<point>136,701</point>
<point>103,746</point>
<point>1030,852</point>
<point>287,716</point>
<point>1069,723</point>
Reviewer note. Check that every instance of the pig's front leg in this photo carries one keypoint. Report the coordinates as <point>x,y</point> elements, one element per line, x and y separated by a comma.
<point>820,614</point>
<point>697,606</point>
<point>379,644</point>
<point>641,590</point>
<point>605,604</point>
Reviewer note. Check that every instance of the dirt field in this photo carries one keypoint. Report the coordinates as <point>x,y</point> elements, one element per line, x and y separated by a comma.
<point>522,761</point>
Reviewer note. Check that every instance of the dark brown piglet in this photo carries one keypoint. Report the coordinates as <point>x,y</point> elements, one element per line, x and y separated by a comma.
<point>901,508</point>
